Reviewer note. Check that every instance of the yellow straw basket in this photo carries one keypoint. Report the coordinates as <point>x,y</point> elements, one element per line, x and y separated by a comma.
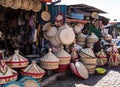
<point>50,65</point>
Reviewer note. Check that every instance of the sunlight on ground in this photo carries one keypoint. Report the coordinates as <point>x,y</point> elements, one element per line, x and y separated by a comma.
<point>112,79</point>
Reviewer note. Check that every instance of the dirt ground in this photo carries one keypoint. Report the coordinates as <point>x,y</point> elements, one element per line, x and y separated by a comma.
<point>110,79</point>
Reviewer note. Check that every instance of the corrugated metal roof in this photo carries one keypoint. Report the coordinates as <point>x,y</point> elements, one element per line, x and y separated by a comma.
<point>86,8</point>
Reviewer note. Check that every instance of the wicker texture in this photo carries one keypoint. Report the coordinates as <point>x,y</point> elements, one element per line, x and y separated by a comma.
<point>49,61</point>
<point>6,73</point>
<point>81,37</point>
<point>17,61</point>
<point>87,52</point>
<point>63,56</point>
<point>33,70</point>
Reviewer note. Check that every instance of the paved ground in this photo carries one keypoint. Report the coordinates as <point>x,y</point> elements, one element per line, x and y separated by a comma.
<point>110,79</point>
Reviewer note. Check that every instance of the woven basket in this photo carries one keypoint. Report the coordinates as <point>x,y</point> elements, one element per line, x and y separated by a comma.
<point>101,61</point>
<point>81,44</point>
<point>79,39</point>
<point>63,56</point>
<point>82,54</point>
<point>64,61</point>
<point>18,64</point>
<point>17,61</point>
<point>50,65</point>
<point>92,38</point>
<point>90,44</point>
<point>89,60</point>
<point>33,70</point>
<point>7,79</point>
<point>37,76</point>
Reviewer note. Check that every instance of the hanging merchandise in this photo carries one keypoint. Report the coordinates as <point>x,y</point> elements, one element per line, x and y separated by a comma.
<point>45,15</point>
<point>33,70</point>
<point>37,6</point>
<point>59,19</point>
<point>17,61</point>
<point>49,61</point>
<point>46,0</point>
<point>16,4</point>
<point>94,15</point>
<point>29,6</point>
<point>24,4</point>
<point>50,30</point>
<point>102,58</point>
<point>6,73</point>
<point>29,82</point>
<point>66,35</point>
<point>64,58</point>
<point>6,3</point>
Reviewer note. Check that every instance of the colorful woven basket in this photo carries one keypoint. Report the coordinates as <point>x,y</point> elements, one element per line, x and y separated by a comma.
<point>17,61</point>
<point>6,73</point>
<point>49,61</point>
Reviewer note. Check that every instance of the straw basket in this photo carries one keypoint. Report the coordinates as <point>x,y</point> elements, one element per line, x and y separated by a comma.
<point>90,64</point>
<point>81,44</point>
<point>7,79</point>
<point>92,39</point>
<point>64,61</point>
<point>33,70</point>
<point>101,61</point>
<point>50,65</point>
<point>88,60</point>
<point>81,39</point>
<point>17,64</point>
<point>17,60</point>
<point>49,61</point>
<point>90,44</point>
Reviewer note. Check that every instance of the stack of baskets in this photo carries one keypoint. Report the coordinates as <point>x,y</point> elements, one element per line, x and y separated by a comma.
<point>64,58</point>
<point>89,60</point>
<point>81,39</point>
<point>49,61</point>
<point>91,40</point>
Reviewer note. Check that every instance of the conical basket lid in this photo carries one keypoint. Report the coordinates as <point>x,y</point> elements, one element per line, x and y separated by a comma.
<point>88,51</point>
<point>93,36</point>
<point>49,57</point>
<point>62,54</point>
<point>6,71</point>
<point>101,54</point>
<point>16,57</point>
<point>33,68</point>
<point>82,35</point>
